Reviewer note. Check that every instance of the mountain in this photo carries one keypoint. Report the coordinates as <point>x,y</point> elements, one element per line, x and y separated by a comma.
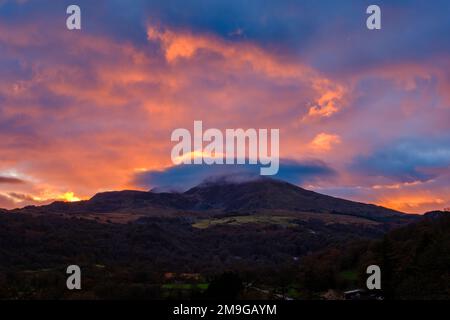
<point>269,194</point>
<point>224,197</point>
<point>137,244</point>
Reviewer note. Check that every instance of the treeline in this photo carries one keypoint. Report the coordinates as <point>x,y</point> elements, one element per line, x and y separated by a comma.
<point>131,261</point>
<point>414,262</point>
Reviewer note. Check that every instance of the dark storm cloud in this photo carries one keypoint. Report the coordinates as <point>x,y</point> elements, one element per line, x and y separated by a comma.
<point>407,161</point>
<point>183,177</point>
<point>411,29</point>
<point>82,111</point>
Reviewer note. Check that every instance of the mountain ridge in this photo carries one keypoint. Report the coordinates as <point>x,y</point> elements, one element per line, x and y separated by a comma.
<point>222,196</point>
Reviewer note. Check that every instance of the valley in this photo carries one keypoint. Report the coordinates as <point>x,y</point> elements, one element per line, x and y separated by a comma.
<point>256,233</point>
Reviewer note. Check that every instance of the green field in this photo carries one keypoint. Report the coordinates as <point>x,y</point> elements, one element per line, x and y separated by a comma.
<point>241,220</point>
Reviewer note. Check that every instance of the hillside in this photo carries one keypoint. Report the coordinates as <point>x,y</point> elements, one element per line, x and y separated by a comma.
<point>259,229</point>
<point>414,262</point>
<point>272,194</point>
<point>224,197</point>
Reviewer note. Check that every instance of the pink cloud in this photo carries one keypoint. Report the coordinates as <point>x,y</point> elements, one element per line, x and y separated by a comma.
<point>88,116</point>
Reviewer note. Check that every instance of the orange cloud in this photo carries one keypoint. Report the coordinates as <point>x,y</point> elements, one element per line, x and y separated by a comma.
<point>239,55</point>
<point>329,102</point>
<point>324,142</point>
<point>98,108</point>
<point>84,117</point>
<point>413,203</point>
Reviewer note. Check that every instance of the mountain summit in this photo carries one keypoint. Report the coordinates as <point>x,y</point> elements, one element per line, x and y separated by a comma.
<point>224,196</point>
<point>266,193</point>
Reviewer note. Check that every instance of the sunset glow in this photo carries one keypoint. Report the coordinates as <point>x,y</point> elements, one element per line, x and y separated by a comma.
<point>80,111</point>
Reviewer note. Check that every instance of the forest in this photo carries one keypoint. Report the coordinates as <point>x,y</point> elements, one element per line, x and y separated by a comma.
<point>168,258</point>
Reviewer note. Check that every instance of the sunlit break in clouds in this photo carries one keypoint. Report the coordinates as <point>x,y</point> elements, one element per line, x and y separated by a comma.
<point>363,114</point>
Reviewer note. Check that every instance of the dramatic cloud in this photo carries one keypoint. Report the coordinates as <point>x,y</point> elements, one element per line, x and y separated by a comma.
<point>407,161</point>
<point>93,110</point>
<point>183,177</point>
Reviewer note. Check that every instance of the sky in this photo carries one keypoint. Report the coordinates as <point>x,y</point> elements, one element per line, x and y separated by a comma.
<point>363,114</point>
